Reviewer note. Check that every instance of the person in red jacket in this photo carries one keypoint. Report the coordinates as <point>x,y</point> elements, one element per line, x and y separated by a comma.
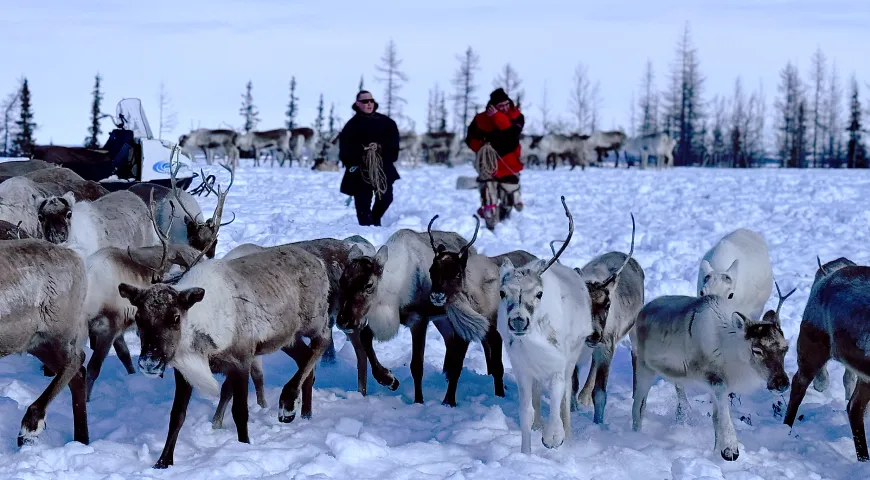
<point>499,126</point>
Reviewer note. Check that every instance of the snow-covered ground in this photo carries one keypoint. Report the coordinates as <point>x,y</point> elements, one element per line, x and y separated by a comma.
<point>680,213</point>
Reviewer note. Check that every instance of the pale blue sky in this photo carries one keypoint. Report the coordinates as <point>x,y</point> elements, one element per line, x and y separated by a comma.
<point>205,51</point>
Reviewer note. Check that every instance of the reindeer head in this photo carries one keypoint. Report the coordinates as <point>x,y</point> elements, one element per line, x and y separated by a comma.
<point>55,216</point>
<point>522,289</point>
<point>600,294</point>
<point>831,267</point>
<point>357,288</point>
<point>203,235</point>
<point>768,345</point>
<point>448,268</point>
<point>718,283</point>
<point>160,311</point>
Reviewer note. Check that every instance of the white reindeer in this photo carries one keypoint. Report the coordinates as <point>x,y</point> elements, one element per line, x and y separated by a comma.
<point>545,317</point>
<point>660,145</point>
<point>738,267</point>
<point>707,341</point>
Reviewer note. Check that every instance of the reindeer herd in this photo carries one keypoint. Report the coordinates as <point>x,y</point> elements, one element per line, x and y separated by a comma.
<point>431,147</point>
<point>76,270</point>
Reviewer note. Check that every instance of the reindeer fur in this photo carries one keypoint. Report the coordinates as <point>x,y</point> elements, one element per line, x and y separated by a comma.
<point>738,265</point>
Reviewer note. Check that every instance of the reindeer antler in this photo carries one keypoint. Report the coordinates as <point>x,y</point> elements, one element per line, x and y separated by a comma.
<point>464,249</point>
<point>431,238</point>
<point>567,240</point>
<point>216,218</point>
<point>615,274</point>
<point>18,230</point>
<point>173,181</point>
<point>782,298</point>
<point>819,260</point>
<point>157,273</point>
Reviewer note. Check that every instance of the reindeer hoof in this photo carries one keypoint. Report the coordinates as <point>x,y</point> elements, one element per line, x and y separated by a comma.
<point>306,415</point>
<point>448,403</point>
<point>161,464</point>
<point>286,416</point>
<point>393,386</point>
<point>217,424</point>
<point>263,404</point>
<point>730,454</point>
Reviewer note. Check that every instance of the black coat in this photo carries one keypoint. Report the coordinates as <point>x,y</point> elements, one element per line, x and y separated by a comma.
<point>357,133</point>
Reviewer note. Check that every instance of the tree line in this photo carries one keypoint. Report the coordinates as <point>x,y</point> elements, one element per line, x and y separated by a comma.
<point>813,123</point>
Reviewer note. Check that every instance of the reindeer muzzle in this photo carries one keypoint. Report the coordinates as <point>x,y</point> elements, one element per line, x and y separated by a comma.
<point>438,299</point>
<point>151,367</point>
<point>518,326</point>
<point>778,383</point>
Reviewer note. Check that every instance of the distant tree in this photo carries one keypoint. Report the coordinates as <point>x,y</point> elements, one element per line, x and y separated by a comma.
<point>360,83</point>
<point>441,120</point>
<point>332,120</point>
<point>544,110</point>
<point>9,107</point>
<point>834,119</point>
<point>738,127</point>
<point>168,116</point>
<point>432,110</point>
<point>684,112</point>
<point>855,152</point>
<point>465,88</point>
<point>756,114</point>
<point>22,143</point>
<point>648,102</point>
<point>584,100</point>
<point>817,105</point>
<point>318,128</point>
<point>719,145</point>
<point>393,78</point>
<point>789,107</point>
<point>292,106</point>
<point>92,140</point>
<point>509,80</point>
<point>632,116</point>
<point>248,111</point>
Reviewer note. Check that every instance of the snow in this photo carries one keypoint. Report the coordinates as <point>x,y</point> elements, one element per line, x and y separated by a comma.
<point>680,214</point>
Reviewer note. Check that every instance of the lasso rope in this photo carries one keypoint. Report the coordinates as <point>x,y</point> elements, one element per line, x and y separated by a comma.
<point>374,174</point>
<point>486,161</point>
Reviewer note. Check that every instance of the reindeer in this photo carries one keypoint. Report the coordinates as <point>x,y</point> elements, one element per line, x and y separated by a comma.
<point>439,147</point>
<point>820,383</point>
<point>166,200</point>
<point>378,293</point>
<point>660,145</point>
<point>544,316</point>
<point>210,141</point>
<point>706,340</point>
<point>117,219</point>
<point>409,143</point>
<point>835,326</point>
<point>738,267</point>
<point>42,290</point>
<point>301,137</point>
<point>603,142</point>
<point>61,180</point>
<point>277,140</point>
<point>20,167</point>
<point>221,315</point>
<point>617,296</point>
<point>466,286</point>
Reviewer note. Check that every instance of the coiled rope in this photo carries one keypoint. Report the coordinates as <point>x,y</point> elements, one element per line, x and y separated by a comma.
<point>486,161</point>
<point>374,169</point>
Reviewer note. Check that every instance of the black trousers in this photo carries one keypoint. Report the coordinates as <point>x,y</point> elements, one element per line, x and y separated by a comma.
<point>367,214</point>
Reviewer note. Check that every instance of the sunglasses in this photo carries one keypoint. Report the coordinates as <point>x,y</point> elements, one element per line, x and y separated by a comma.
<point>366,101</point>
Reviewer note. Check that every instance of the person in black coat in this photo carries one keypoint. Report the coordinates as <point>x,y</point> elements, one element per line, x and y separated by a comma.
<point>365,131</point>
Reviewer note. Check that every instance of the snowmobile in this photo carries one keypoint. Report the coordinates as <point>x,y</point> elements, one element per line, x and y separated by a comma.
<point>130,155</point>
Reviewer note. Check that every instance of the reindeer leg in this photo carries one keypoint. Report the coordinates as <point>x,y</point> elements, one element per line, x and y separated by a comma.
<point>454,360</point>
<point>814,350</point>
<point>259,381</point>
<point>101,341</point>
<point>850,381</point>
<point>602,355</point>
<point>306,358</point>
<point>494,364</point>
<point>183,391</point>
<point>726,437</point>
<point>382,374</point>
<point>527,410</point>
<point>124,354</point>
<point>856,408</point>
<point>682,404</point>
<point>566,406</point>
<point>217,420</point>
<point>644,378</point>
<point>554,431</point>
<point>239,381</point>
<point>67,364</point>
<point>418,348</point>
<point>362,364</point>
<point>584,396</point>
<point>329,356</point>
<point>820,383</point>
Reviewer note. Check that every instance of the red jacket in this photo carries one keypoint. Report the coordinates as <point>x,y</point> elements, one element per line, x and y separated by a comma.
<point>502,131</point>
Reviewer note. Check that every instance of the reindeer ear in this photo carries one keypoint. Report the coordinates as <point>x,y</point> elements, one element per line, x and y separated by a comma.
<point>706,268</point>
<point>129,292</point>
<point>189,297</point>
<point>770,317</point>
<point>506,267</point>
<point>70,198</point>
<point>740,321</point>
<point>382,256</point>
<point>732,270</point>
<point>37,200</point>
<point>354,253</point>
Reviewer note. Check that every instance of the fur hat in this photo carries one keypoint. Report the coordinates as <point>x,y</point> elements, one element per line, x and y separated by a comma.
<point>497,96</point>
<point>356,109</point>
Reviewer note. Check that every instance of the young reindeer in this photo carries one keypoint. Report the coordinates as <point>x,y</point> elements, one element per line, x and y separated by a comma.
<point>379,293</point>
<point>221,315</point>
<point>467,287</point>
<point>706,340</point>
<point>119,219</point>
<point>820,383</point>
<point>836,325</point>
<point>42,290</point>
<point>544,317</point>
